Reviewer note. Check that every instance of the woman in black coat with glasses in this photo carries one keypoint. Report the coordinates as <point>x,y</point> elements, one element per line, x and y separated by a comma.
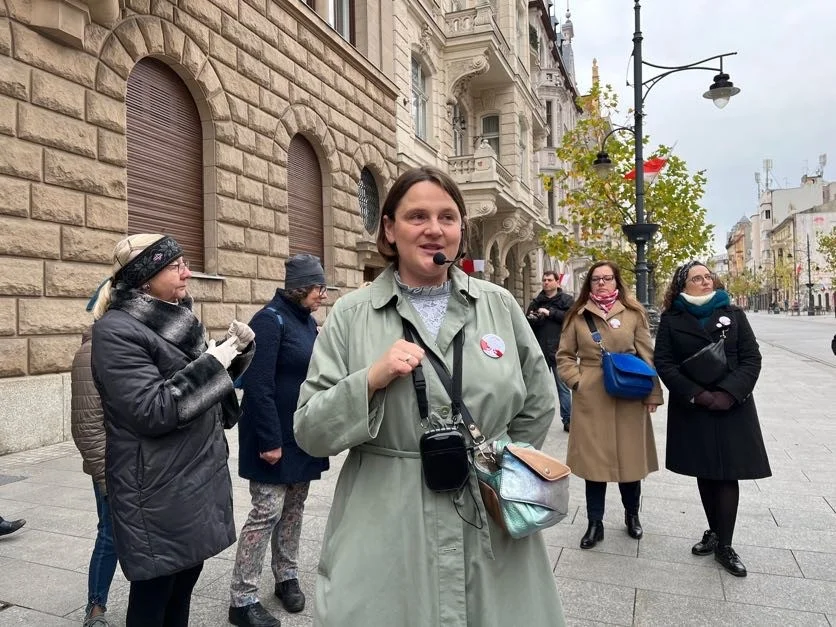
<point>713,429</point>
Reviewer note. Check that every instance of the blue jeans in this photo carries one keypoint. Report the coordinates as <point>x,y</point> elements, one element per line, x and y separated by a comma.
<point>564,397</point>
<point>103,559</point>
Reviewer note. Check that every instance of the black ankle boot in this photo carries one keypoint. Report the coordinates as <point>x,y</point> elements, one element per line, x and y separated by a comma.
<point>594,534</point>
<point>707,545</point>
<point>634,526</point>
<point>729,560</point>
<point>291,595</point>
<point>252,616</point>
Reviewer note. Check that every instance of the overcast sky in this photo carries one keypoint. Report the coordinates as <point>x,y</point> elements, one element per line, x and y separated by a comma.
<point>785,67</point>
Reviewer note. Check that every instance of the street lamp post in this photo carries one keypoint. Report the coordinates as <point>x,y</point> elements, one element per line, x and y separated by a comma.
<point>811,311</point>
<point>640,233</point>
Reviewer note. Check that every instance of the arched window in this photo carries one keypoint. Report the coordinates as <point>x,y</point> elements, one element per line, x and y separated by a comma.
<point>304,199</point>
<point>165,158</point>
<point>369,201</point>
<point>523,149</point>
<point>420,95</point>
<point>459,125</point>
<point>490,132</point>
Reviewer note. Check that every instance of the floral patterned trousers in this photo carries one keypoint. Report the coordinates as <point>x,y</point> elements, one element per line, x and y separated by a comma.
<point>276,516</point>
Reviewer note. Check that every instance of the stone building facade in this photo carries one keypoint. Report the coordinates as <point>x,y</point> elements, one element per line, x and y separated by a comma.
<point>250,130</point>
<point>265,77</point>
<point>557,89</point>
<point>467,72</point>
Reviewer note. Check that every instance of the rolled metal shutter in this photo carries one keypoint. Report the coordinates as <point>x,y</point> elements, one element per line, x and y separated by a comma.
<point>304,199</point>
<point>165,158</point>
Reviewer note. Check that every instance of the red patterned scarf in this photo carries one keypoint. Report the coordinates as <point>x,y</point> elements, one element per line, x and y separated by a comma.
<point>605,301</point>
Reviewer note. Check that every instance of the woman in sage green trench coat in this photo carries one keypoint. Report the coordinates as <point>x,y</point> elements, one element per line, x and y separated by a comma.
<point>396,553</point>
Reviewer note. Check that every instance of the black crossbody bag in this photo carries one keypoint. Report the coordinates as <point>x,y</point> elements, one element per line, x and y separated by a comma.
<point>444,453</point>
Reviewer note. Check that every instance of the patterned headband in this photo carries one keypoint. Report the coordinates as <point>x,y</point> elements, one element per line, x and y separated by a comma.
<point>682,273</point>
<point>149,262</point>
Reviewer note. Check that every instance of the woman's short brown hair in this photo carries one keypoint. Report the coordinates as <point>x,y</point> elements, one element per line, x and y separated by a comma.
<point>405,181</point>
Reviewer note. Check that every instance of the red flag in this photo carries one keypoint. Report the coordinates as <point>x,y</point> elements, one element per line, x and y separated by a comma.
<point>652,167</point>
<point>467,265</point>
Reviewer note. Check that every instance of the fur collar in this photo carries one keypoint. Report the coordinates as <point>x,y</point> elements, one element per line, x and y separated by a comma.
<point>175,323</point>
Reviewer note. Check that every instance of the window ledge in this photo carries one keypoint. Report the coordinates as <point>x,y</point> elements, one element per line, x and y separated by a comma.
<point>211,277</point>
<point>425,143</point>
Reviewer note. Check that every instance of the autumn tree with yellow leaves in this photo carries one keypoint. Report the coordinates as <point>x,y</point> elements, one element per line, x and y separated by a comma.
<point>595,207</point>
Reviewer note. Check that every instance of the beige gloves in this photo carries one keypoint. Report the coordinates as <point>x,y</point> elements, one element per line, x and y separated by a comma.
<point>242,333</point>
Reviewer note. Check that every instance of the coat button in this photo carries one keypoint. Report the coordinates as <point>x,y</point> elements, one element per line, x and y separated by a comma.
<point>444,411</point>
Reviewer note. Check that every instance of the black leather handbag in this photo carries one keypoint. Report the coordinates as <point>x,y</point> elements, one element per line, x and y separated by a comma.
<point>708,365</point>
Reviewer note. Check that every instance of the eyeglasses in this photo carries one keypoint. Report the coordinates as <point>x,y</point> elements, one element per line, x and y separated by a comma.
<point>604,278</point>
<point>180,266</point>
<point>702,278</point>
<point>323,290</point>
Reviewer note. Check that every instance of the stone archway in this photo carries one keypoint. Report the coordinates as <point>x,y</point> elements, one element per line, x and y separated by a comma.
<point>142,36</point>
<point>336,186</point>
<point>138,37</point>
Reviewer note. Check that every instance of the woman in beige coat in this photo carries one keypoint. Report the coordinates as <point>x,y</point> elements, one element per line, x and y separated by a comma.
<point>611,438</point>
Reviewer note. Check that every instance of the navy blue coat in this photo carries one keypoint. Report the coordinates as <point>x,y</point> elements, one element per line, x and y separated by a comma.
<point>271,390</point>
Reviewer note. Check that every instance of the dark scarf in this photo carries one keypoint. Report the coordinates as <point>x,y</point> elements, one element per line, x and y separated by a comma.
<point>703,312</point>
<point>176,324</point>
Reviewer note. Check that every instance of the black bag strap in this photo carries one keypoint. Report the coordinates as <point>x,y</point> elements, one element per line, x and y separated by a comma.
<point>593,329</point>
<point>453,385</point>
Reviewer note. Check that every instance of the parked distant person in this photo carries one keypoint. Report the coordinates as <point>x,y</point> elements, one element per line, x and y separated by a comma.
<point>280,473</point>
<point>88,429</point>
<point>397,553</point>
<point>611,438</point>
<point>10,526</point>
<point>167,398</point>
<point>545,315</point>
<point>713,429</point>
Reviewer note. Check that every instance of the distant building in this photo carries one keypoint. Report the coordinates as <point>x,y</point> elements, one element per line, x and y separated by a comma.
<point>786,219</point>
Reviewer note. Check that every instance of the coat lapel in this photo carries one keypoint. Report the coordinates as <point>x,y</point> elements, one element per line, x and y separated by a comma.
<point>683,322</point>
<point>457,308</point>
<point>385,290</point>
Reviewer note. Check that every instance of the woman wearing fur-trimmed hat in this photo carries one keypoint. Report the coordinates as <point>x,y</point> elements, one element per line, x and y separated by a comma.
<point>167,398</point>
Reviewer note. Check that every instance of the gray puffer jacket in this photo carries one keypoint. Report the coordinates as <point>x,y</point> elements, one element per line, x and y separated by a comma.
<point>87,418</point>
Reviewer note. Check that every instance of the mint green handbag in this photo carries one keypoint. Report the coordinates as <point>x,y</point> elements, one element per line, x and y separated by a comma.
<point>524,490</point>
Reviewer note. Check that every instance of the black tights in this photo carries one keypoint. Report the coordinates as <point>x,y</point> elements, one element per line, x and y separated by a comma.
<point>719,500</point>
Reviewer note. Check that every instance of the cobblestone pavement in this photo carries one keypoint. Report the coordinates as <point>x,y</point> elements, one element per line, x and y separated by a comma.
<point>786,532</point>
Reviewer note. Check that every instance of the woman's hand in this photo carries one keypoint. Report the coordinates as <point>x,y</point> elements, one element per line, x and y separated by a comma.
<point>400,360</point>
<point>651,407</point>
<point>242,333</point>
<point>271,457</point>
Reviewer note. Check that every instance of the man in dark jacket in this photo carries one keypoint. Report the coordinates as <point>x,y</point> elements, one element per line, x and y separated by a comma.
<point>545,315</point>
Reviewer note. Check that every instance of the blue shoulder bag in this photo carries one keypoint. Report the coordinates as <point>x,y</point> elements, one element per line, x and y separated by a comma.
<point>625,375</point>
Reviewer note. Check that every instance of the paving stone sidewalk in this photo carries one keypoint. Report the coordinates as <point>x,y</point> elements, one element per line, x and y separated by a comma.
<point>786,532</point>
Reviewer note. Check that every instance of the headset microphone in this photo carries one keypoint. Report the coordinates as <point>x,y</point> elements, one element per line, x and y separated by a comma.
<point>439,259</point>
